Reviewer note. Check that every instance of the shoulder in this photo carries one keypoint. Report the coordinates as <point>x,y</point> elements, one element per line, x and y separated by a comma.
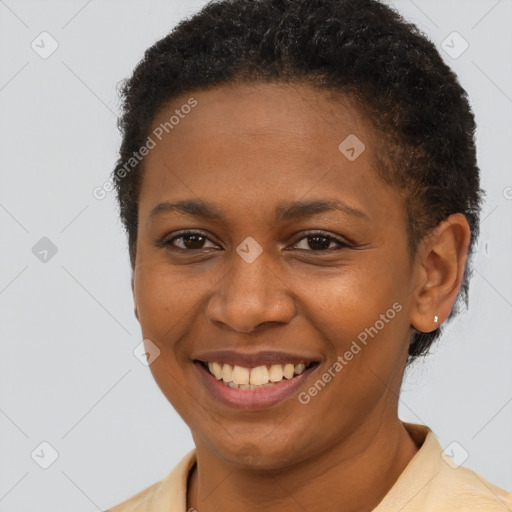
<point>433,481</point>
<point>167,494</point>
<point>139,501</point>
<point>462,489</point>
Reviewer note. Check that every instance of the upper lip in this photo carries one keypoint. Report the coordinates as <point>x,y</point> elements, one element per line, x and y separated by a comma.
<point>253,359</point>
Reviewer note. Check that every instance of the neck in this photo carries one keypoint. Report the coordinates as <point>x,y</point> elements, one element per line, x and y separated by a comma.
<point>356,474</point>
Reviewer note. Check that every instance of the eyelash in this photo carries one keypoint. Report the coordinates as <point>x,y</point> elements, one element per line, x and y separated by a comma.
<point>309,234</point>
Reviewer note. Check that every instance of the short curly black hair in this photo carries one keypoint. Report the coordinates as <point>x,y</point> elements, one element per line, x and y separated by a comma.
<point>362,49</point>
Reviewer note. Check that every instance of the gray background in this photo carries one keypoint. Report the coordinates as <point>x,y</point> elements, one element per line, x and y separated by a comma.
<point>67,372</point>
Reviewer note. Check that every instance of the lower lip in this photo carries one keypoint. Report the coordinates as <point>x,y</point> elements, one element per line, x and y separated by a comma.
<point>253,399</point>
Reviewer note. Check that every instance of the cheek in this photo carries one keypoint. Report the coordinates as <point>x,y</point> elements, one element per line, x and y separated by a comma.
<point>160,300</point>
<point>168,299</point>
<point>362,316</point>
<point>352,299</point>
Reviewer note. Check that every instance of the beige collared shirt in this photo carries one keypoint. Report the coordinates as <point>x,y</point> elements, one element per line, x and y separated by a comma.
<point>429,483</point>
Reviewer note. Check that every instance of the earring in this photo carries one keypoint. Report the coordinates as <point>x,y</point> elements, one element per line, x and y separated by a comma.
<point>436,319</point>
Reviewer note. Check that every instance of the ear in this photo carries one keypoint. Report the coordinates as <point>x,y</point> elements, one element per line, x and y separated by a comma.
<point>442,259</point>
<point>135,309</point>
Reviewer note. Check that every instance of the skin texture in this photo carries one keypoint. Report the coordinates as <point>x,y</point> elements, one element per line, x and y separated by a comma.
<point>249,148</point>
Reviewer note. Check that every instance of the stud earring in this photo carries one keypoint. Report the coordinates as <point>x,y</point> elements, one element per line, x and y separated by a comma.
<point>436,319</point>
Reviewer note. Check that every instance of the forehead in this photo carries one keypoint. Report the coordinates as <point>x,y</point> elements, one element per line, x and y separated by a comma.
<point>272,113</point>
<point>254,144</point>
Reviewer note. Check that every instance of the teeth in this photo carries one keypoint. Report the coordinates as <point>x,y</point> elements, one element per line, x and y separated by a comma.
<point>249,378</point>
<point>276,373</point>
<point>216,369</point>
<point>299,368</point>
<point>259,375</point>
<point>240,375</point>
<point>227,373</point>
<point>289,370</point>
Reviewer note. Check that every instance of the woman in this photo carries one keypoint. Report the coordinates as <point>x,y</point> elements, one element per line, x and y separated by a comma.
<point>299,185</point>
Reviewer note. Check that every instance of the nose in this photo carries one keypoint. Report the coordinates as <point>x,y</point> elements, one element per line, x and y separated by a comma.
<point>249,295</point>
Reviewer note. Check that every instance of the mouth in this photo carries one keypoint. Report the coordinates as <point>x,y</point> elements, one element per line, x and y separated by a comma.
<point>258,377</point>
<point>256,387</point>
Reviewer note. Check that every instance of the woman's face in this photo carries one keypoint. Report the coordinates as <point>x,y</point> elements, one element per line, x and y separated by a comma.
<point>264,277</point>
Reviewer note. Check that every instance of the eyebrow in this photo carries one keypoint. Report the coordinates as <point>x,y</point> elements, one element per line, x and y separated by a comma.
<point>295,210</point>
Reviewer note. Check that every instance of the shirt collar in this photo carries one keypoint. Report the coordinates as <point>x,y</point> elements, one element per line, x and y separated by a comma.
<point>421,470</point>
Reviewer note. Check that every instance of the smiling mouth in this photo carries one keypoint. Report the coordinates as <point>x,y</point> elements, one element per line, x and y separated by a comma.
<point>258,377</point>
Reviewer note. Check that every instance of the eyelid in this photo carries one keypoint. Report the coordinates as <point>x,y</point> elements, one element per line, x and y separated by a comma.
<point>334,238</point>
<point>168,242</point>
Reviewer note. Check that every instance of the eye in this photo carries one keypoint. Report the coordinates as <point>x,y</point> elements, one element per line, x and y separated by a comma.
<point>320,241</point>
<point>195,241</point>
<point>191,240</point>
